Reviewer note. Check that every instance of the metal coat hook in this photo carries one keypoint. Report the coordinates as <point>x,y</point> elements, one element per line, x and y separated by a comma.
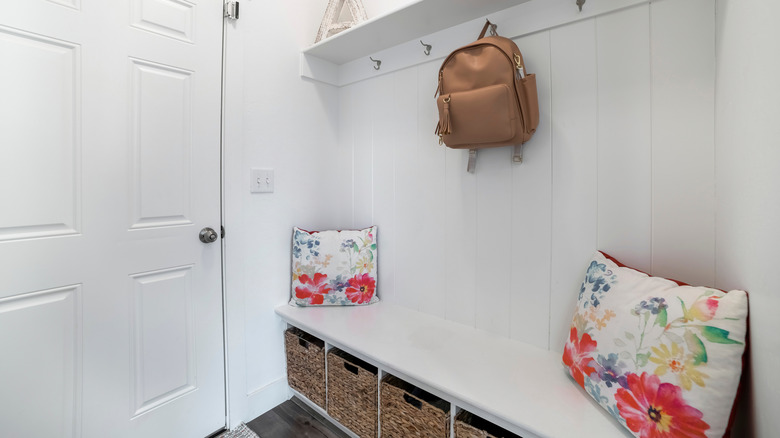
<point>580,3</point>
<point>493,27</point>
<point>378,63</point>
<point>428,48</point>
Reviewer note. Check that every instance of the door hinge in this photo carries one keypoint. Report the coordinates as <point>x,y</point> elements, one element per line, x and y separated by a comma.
<point>222,231</point>
<point>231,9</point>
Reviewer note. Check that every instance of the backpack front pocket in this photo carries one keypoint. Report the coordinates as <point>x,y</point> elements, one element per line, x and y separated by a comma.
<point>477,118</point>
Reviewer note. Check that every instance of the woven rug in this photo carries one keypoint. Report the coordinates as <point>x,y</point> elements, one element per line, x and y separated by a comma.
<point>239,432</point>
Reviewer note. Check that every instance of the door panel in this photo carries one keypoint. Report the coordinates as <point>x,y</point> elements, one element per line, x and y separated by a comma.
<point>164,362</point>
<point>170,18</point>
<point>43,368</point>
<point>110,306</point>
<point>41,76</point>
<point>161,136</point>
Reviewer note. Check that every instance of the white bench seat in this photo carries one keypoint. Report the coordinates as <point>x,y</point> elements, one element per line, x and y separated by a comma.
<point>515,385</point>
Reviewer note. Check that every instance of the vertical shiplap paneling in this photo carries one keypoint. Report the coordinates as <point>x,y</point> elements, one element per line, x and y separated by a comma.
<point>622,161</point>
<point>384,185</point>
<point>410,254</point>
<point>531,210</point>
<point>575,168</point>
<point>494,239</point>
<point>460,245</point>
<point>346,141</point>
<point>683,59</point>
<point>430,179</point>
<point>624,149</point>
<point>364,105</point>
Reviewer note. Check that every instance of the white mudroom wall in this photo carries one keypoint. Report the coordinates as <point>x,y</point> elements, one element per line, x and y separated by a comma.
<point>272,119</point>
<point>623,161</point>
<point>375,8</point>
<point>748,181</point>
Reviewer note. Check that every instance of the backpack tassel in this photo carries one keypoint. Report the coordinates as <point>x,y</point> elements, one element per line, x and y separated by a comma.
<point>443,128</point>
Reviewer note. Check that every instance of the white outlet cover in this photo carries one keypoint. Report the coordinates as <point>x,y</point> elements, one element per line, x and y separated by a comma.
<point>261,180</point>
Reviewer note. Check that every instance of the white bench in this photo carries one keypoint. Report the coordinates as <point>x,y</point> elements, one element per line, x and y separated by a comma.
<point>514,385</point>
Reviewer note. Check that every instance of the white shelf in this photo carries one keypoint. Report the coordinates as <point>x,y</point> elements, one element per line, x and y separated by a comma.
<point>394,38</point>
<point>413,21</point>
<point>517,386</point>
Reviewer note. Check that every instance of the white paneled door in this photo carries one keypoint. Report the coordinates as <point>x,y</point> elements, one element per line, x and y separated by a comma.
<point>110,305</point>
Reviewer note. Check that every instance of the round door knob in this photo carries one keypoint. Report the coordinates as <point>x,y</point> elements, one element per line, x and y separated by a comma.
<point>208,235</point>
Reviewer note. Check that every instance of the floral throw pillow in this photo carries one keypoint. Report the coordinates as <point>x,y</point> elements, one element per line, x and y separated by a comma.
<point>663,358</point>
<point>333,268</point>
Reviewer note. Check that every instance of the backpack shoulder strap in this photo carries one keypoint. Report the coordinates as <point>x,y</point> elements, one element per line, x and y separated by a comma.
<point>488,24</point>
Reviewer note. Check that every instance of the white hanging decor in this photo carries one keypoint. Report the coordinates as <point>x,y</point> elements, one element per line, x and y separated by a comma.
<point>338,17</point>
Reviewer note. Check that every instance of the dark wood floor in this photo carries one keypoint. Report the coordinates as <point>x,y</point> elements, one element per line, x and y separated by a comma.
<point>293,419</point>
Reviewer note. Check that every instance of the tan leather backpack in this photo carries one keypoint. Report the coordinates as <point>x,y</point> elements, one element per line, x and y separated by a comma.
<point>485,98</point>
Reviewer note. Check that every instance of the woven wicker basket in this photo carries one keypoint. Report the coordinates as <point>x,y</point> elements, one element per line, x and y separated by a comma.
<point>407,411</point>
<point>468,425</point>
<point>306,364</point>
<point>352,393</point>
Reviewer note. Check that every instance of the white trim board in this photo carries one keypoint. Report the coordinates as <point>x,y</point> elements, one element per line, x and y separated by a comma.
<point>517,386</point>
<point>513,22</point>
